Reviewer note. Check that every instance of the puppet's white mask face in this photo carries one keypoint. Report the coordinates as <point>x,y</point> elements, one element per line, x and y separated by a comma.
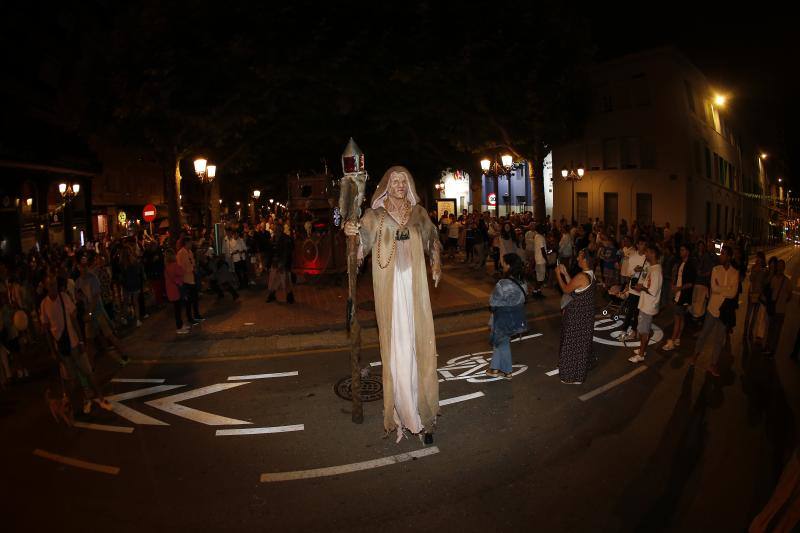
<point>398,185</point>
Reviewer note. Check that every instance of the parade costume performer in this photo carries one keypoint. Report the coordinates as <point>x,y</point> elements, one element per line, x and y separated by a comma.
<point>400,234</point>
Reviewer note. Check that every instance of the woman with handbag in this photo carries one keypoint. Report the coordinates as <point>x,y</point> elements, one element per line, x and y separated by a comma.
<point>508,314</point>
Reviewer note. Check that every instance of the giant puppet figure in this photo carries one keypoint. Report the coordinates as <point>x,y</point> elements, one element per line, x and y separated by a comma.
<point>399,233</point>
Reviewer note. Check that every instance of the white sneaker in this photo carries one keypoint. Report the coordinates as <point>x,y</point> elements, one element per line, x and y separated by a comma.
<point>183,331</point>
<point>677,342</point>
<point>668,346</point>
<point>629,336</point>
<point>636,358</point>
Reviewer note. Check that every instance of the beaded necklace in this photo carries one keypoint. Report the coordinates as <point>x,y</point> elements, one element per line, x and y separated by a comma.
<point>404,218</point>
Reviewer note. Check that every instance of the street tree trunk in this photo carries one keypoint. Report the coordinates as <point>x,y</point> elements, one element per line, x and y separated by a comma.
<point>536,169</point>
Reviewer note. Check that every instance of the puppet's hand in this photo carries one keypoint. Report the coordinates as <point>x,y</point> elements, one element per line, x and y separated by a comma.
<point>351,228</point>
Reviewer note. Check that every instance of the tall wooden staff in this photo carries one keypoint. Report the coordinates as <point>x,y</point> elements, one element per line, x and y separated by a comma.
<point>351,196</point>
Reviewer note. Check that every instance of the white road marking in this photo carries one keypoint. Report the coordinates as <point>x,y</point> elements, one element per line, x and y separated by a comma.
<point>260,431</point>
<point>526,337</point>
<point>608,386</point>
<point>103,427</point>
<point>552,372</point>
<point>264,376</point>
<point>135,416</point>
<point>78,463</point>
<point>461,398</point>
<point>349,468</point>
<point>170,404</point>
<point>133,380</point>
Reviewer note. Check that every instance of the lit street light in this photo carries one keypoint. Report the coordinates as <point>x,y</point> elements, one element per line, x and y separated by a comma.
<point>720,100</point>
<point>206,173</point>
<point>495,169</point>
<point>573,175</point>
<point>68,192</point>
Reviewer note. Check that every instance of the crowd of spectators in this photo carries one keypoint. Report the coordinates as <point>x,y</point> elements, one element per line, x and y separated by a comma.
<point>117,282</point>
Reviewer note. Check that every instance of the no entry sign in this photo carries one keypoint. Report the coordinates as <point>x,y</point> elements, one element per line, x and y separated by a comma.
<point>149,213</point>
<point>492,199</point>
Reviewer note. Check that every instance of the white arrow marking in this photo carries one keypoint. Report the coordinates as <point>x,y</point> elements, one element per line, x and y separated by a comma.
<point>135,416</point>
<point>170,405</point>
<point>264,376</point>
<point>552,372</point>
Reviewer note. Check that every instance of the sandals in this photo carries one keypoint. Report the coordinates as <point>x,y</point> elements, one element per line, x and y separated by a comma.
<point>493,372</point>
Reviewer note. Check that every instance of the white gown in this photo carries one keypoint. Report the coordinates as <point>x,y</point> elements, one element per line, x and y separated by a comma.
<point>403,350</point>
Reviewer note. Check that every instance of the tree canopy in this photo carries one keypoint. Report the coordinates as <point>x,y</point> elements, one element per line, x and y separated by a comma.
<point>270,89</point>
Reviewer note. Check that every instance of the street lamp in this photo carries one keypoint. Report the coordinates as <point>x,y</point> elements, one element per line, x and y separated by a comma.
<point>573,175</point>
<point>720,100</point>
<point>495,169</point>
<point>206,173</point>
<point>256,194</point>
<point>68,192</point>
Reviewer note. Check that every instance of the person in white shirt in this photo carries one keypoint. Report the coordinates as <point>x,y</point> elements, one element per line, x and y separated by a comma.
<point>636,269</point>
<point>453,229</point>
<point>724,286</point>
<point>237,256</point>
<point>60,326</point>
<point>649,288</point>
<point>537,256</point>
<point>627,251</point>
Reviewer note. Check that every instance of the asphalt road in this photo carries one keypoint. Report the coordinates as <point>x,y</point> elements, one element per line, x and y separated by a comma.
<point>658,447</point>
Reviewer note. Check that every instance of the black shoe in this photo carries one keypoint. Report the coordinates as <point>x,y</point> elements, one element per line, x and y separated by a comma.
<point>290,298</point>
<point>271,297</point>
<point>428,439</point>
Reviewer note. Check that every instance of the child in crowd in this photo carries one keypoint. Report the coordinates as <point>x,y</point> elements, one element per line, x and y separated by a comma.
<point>508,314</point>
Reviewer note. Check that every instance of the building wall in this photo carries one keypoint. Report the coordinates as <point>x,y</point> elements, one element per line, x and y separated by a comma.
<point>130,179</point>
<point>644,138</point>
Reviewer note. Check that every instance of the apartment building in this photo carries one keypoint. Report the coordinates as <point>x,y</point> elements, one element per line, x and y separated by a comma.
<point>662,145</point>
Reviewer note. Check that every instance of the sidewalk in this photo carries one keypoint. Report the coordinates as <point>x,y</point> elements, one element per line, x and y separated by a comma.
<point>316,321</point>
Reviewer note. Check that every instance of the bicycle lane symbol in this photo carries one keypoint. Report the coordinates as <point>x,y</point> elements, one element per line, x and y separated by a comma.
<point>472,368</point>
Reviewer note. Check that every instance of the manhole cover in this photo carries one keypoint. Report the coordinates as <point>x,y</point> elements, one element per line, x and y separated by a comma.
<point>371,389</point>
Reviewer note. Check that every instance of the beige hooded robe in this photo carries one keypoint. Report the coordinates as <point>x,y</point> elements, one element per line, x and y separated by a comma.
<point>377,225</point>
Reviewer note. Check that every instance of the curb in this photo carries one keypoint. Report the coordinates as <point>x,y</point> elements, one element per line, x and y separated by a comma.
<point>327,340</point>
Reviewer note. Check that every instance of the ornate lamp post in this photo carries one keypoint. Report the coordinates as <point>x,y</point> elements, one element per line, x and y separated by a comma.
<point>572,175</point>
<point>256,205</point>
<point>68,193</point>
<point>206,173</point>
<point>495,169</point>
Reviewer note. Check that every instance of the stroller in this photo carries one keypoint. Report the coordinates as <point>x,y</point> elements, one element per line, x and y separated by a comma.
<point>618,305</point>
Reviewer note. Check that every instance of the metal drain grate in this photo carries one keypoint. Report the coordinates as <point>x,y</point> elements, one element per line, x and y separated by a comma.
<point>371,389</point>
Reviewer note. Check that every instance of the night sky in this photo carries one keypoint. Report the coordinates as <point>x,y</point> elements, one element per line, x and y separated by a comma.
<point>47,74</point>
